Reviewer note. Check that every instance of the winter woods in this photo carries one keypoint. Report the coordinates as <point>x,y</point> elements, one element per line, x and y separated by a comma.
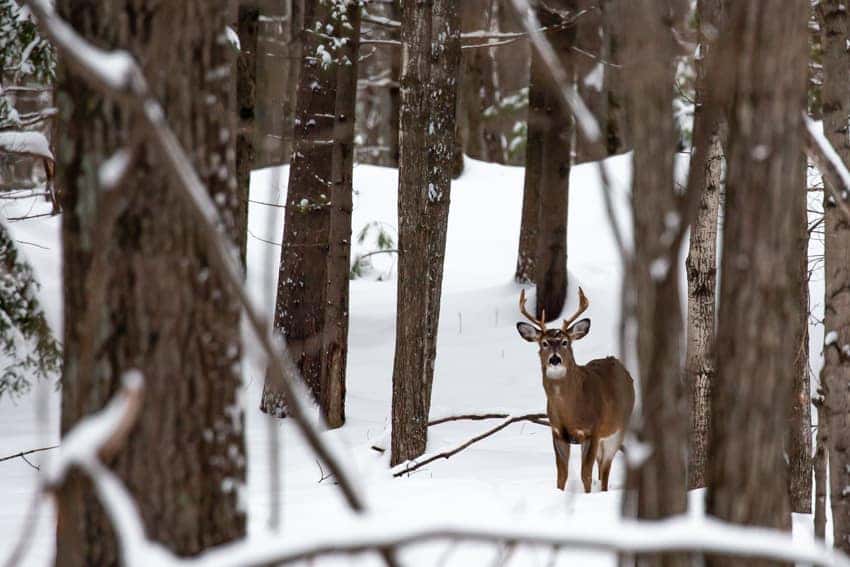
<point>261,262</point>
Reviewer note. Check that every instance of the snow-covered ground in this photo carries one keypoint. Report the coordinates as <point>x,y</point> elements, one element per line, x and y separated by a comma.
<point>482,365</point>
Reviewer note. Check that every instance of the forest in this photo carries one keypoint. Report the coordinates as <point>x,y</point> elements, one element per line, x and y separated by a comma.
<point>506,283</point>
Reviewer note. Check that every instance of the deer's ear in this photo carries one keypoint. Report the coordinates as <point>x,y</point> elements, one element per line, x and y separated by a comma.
<point>528,332</point>
<point>579,329</point>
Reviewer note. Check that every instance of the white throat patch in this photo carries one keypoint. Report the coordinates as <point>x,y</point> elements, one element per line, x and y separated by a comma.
<point>556,372</point>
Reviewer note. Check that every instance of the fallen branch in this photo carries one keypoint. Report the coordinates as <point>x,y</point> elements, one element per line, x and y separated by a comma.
<point>419,462</point>
<point>538,418</point>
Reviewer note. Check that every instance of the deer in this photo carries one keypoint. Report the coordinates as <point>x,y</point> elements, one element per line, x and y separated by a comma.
<point>587,404</point>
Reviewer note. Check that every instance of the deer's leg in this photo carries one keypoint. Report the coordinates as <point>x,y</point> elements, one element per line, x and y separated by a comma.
<point>562,459</point>
<point>607,449</point>
<point>591,447</point>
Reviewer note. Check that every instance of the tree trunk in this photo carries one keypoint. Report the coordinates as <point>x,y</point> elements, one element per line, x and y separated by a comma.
<point>302,279</point>
<point>248,19</point>
<point>471,85</point>
<point>657,488</point>
<point>445,66</point>
<point>617,138</point>
<point>527,253</point>
<point>591,72</point>
<point>395,96</point>
<point>409,405</point>
<point>550,263</point>
<point>800,424</point>
<point>763,55</point>
<point>701,264</point>
<point>820,468</point>
<point>339,257</point>
<point>139,293</point>
<point>836,371</point>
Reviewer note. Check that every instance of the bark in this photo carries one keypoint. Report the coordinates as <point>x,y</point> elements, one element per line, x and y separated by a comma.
<point>248,18</point>
<point>657,488</point>
<point>139,292</point>
<point>472,78</point>
<point>762,54</point>
<point>550,263</point>
<point>339,257</point>
<point>395,97</point>
<point>376,125</point>
<point>526,255</point>
<point>277,60</point>
<point>588,58</point>
<point>800,426</point>
<point>445,66</point>
<point>820,469</point>
<point>836,372</point>
<point>615,120</point>
<point>299,307</point>
<point>493,128</point>
<point>701,264</point>
<point>409,405</point>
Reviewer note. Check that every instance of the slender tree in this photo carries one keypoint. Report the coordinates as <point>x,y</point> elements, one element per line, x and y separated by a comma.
<point>763,56</point>
<point>799,444</point>
<point>656,487</point>
<point>409,405</point>
<point>247,26</point>
<point>836,372</point>
<point>302,279</point>
<point>445,66</point>
<point>536,124</point>
<point>555,146</point>
<point>347,24</point>
<point>138,289</point>
<point>701,263</point>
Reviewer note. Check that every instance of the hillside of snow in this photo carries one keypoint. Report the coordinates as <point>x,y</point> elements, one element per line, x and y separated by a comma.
<point>482,365</point>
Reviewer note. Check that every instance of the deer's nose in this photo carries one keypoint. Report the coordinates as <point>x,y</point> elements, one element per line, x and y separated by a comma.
<point>554,360</point>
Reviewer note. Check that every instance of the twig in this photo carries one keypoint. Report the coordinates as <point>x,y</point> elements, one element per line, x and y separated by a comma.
<point>24,453</point>
<point>538,418</point>
<point>419,462</point>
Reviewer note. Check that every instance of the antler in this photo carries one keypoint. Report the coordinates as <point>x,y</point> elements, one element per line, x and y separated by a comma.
<point>541,323</point>
<point>583,303</point>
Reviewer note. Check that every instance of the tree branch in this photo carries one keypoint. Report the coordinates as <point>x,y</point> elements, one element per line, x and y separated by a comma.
<point>830,165</point>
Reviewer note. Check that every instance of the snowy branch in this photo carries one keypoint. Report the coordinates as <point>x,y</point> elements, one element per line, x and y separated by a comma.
<point>829,163</point>
<point>117,74</point>
<point>684,533</point>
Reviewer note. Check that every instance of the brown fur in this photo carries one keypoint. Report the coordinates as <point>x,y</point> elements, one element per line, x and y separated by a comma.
<point>590,402</point>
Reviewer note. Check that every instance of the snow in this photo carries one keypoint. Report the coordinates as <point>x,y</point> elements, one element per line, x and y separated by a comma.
<point>34,143</point>
<point>504,482</point>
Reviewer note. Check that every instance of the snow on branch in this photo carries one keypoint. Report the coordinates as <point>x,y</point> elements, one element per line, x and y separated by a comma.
<point>682,533</point>
<point>829,163</point>
<point>118,75</point>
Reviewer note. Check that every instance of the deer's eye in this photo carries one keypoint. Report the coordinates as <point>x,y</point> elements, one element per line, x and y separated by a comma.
<point>545,344</point>
<point>565,342</point>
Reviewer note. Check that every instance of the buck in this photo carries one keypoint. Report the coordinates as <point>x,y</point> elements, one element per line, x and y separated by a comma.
<point>587,404</point>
